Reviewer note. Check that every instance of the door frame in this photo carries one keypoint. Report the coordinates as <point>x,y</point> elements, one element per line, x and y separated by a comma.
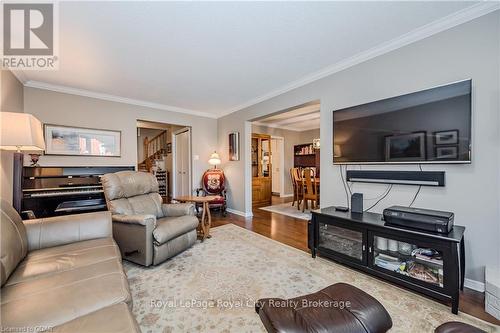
<point>174,162</point>
<point>281,164</point>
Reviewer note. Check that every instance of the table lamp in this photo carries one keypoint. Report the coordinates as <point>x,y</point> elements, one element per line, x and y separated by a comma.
<point>20,132</point>
<point>336,151</point>
<point>214,159</point>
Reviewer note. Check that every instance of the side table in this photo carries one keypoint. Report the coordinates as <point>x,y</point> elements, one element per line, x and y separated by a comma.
<point>206,218</point>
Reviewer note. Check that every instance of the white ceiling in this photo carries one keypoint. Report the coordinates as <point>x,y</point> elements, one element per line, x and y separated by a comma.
<point>302,118</point>
<point>213,58</point>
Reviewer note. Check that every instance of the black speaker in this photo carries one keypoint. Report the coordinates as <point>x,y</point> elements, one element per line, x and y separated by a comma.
<point>357,203</point>
<point>422,178</point>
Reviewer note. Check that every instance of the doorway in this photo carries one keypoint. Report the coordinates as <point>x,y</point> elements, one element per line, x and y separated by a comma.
<point>278,165</point>
<point>182,163</point>
<point>155,154</point>
<point>294,148</point>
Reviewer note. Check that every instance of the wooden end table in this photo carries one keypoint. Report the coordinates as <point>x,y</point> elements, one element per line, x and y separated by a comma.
<point>206,218</point>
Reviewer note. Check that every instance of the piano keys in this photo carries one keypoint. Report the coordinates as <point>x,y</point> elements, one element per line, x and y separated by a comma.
<point>53,191</point>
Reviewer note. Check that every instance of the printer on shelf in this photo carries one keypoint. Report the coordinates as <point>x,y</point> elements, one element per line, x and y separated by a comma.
<point>418,218</point>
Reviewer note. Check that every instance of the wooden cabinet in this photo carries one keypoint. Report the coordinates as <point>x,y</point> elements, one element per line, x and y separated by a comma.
<point>261,169</point>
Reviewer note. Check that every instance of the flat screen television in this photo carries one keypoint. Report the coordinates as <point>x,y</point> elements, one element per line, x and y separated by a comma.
<point>428,126</point>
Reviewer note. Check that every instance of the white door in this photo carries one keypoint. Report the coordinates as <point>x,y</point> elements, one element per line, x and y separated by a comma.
<point>277,159</point>
<point>182,163</point>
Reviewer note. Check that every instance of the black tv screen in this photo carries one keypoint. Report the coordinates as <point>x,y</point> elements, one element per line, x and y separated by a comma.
<point>428,126</point>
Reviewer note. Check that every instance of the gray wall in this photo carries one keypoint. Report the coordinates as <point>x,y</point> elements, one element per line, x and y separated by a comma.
<point>65,109</point>
<point>11,101</point>
<point>471,51</point>
<point>309,135</point>
<point>290,138</point>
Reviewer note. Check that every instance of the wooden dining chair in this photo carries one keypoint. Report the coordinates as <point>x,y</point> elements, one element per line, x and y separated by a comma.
<point>292,178</point>
<point>298,187</point>
<point>310,189</point>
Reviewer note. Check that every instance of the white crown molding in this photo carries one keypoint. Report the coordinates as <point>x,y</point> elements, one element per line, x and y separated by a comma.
<point>20,76</point>
<point>440,25</point>
<point>288,128</point>
<point>113,98</point>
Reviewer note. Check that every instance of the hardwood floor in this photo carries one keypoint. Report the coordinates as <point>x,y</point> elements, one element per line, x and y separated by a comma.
<point>293,232</point>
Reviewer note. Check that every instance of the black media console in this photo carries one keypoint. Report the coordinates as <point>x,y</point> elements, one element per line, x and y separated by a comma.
<point>363,241</point>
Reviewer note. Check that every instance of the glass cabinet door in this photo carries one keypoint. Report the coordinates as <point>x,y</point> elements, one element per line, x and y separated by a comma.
<point>344,241</point>
<point>255,157</point>
<point>266,157</point>
<point>422,263</point>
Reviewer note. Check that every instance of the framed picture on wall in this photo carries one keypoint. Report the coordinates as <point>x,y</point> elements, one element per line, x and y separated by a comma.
<point>405,147</point>
<point>446,152</point>
<point>80,141</point>
<point>446,137</point>
<point>234,146</point>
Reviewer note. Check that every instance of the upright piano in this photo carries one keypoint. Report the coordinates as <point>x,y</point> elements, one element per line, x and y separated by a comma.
<point>53,191</point>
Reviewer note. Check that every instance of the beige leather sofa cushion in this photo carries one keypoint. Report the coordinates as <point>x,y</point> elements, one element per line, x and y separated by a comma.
<point>55,299</point>
<point>31,287</point>
<point>112,319</point>
<point>126,184</point>
<point>168,228</point>
<point>13,241</point>
<point>64,258</point>
<point>61,230</point>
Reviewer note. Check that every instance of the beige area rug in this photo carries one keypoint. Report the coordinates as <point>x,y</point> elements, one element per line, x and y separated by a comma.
<point>289,210</point>
<point>212,287</point>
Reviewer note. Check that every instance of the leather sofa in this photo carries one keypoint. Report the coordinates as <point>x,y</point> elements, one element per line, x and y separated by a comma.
<point>147,231</point>
<point>62,274</point>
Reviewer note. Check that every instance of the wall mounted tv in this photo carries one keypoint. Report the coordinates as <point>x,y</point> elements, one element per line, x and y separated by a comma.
<point>428,126</point>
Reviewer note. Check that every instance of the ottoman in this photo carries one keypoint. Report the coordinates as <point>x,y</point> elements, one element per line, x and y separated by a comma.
<point>337,308</point>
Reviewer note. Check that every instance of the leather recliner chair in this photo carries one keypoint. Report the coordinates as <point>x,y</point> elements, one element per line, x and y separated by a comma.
<point>147,231</point>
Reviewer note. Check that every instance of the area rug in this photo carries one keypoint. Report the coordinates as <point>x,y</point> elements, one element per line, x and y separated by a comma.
<point>212,287</point>
<point>289,210</point>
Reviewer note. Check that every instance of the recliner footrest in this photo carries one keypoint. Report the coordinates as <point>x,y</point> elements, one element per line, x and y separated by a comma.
<point>337,308</point>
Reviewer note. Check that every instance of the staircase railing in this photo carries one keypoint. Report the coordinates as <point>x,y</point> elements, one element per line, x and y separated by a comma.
<point>153,148</point>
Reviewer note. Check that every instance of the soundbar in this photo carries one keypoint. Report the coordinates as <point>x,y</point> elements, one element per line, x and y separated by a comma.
<point>419,178</point>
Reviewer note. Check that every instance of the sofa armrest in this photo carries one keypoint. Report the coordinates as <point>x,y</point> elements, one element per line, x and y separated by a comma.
<point>61,230</point>
<point>175,210</point>
<point>141,219</point>
<point>134,236</point>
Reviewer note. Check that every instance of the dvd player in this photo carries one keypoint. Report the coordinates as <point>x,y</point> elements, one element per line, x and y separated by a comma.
<point>418,218</point>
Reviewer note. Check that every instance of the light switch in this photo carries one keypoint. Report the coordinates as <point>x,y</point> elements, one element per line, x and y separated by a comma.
<point>196,157</point>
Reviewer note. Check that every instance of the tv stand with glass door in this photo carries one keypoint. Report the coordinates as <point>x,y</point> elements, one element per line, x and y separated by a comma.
<point>429,263</point>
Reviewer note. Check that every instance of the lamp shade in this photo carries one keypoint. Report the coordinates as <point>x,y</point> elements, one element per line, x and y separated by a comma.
<point>214,159</point>
<point>316,143</point>
<point>336,151</point>
<point>21,132</point>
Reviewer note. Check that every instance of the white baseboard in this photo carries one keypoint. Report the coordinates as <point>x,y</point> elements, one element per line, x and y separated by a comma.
<point>474,285</point>
<point>286,195</point>
<point>238,212</point>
